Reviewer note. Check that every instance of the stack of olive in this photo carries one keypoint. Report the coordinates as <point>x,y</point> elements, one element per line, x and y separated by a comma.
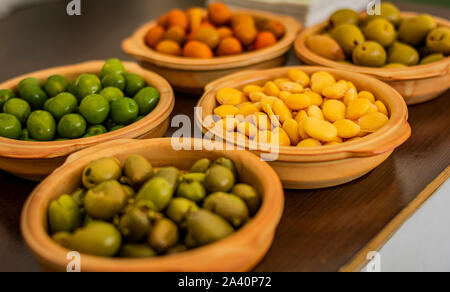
<point>135,211</point>
<point>384,40</point>
<point>89,106</point>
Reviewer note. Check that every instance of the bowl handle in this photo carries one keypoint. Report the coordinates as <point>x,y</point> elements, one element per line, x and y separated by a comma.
<point>215,83</point>
<point>87,151</point>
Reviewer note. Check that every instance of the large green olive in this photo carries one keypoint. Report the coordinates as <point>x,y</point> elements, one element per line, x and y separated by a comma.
<point>86,85</point>
<point>158,191</point>
<point>381,31</point>
<point>370,54</point>
<point>170,174</point>
<point>101,170</point>
<point>219,179</point>
<point>105,200</point>
<point>137,251</point>
<point>229,207</point>
<point>348,36</point>
<point>250,196</point>
<point>134,225</point>
<point>55,85</point>
<point>438,40</point>
<point>112,66</point>
<point>403,54</point>
<point>164,235</point>
<point>34,95</point>
<point>97,238</point>
<point>64,215</point>
<point>344,16</point>
<point>201,166</point>
<point>205,227</point>
<point>180,208</point>
<point>228,163</point>
<point>137,169</point>
<point>194,191</point>
<point>414,31</point>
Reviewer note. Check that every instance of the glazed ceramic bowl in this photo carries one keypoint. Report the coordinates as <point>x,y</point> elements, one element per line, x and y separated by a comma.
<point>236,253</point>
<point>190,75</point>
<point>36,160</point>
<point>416,84</point>
<point>319,167</point>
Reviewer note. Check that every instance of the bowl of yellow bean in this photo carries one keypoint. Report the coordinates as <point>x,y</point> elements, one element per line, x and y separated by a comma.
<point>319,127</point>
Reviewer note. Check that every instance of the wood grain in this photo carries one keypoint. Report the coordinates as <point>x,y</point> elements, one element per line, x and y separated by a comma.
<point>320,231</point>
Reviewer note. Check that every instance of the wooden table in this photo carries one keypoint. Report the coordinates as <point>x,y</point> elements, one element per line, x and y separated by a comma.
<point>324,230</point>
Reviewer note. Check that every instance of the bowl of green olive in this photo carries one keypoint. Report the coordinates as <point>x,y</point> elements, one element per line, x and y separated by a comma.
<point>409,51</point>
<point>141,206</point>
<point>47,115</point>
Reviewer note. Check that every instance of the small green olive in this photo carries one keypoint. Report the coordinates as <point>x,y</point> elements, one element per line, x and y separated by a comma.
<point>201,166</point>
<point>170,174</point>
<point>193,191</point>
<point>229,207</point>
<point>204,227</point>
<point>158,191</point>
<point>137,251</point>
<point>249,195</point>
<point>134,225</point>
<point>228,163</point>
<point>180,208</point>
<point>219,179</point>
<point>105,200</point>
<point>138,169</point>
<point>164,235</point>
<point>101,170</point>
<point>64,215</point>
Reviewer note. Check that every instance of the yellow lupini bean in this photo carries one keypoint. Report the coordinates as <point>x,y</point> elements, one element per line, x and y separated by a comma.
<point>301,131</point>
<point>224,111</point>
<point>367,95</point>
<point>271,89</point>
<point>299,77</point>
<point>279,81</point>
<point>335,91</point>
<point>291,128</point>
<point>229,96</point>
<point>252,88</point>
<point>239,106</point>
<point>315,112</point>
<point>320,80</point>
<point>334,110</point>
<point>248,110</point>
<point>298,101</point>
<point>316,99</point>
<point>281,110</point>
<point>284,95</point>
<point>358,108</point>
<point>272,117</point>
<point>301,115</point>
<point>247,129</point>
<point>320,130</point>
<point>309,143</point>
<point>256,96</point>
<point>261,120</point>
<point>291,87</point>
<point>372,122</point>
<point>279,135</point>
<point>228,124</point>
<point>350,85</point>
<point>347,129</point>
<point>381,107</point>
<point>268,100</point>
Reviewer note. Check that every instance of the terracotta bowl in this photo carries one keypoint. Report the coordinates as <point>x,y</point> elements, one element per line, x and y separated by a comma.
<point>190,75</point>
<point>416,84</point>
<point>239,252</point>
<point>36,160</point>
<point>320,167</point>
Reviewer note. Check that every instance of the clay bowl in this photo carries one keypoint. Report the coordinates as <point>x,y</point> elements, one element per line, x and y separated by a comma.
<point>237,253</point>
<point>36,160</point>
<point>189,75</point>
<point>417,84</point>
<point>319,167</point>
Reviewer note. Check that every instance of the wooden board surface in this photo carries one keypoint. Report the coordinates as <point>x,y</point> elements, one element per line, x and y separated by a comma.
<point>321,230</point>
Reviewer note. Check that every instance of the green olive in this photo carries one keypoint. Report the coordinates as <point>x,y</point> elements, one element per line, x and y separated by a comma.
<point>112,66</point>
<point>64,215</point>
<point>114,80</point>
<point>79,196</point>
<point>5,95</point>
<point>137,251</point>
<point>55,85</point>
<point>432,58</point>
<point>228,163</point>
<point>137,169</point>
<point>101,170</point>
<point>164,235</point>
<point>229,207</point>
<point>194,191</point>
<point>219,179</point>
<point>97,238</point>
<point>201,166</point>
<point>158,191</point>
<point>176,249</point>
<point>204,227</point>
<point>190,177</point>
<point>180,208</point>
<point>170,174</point>
<point>129,191</point>
<point>105,200</point>
<point>249,195</point>
<point>134,225</point>
<point>87,84</point>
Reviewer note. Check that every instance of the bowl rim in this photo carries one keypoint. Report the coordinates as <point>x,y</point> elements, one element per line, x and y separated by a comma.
<point>35,235</point>
<point>135,46</point>
<point>391,136</point>
<point>431,70</point>
<point>10,148</point>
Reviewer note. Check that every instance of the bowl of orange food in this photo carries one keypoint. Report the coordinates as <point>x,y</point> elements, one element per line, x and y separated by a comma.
<point>195,47</point>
